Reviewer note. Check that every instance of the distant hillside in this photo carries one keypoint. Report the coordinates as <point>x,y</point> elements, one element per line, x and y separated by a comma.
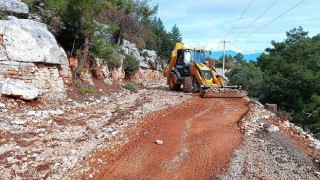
<point>247,57</point>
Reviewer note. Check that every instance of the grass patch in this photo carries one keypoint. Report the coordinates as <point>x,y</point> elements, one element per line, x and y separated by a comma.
<point>130,86</point>
<point>86,90</point>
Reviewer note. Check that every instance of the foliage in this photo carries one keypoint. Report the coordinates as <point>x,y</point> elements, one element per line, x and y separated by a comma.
<point>249,76</point>
<point>3,15</point>
<point>159,39</point>
<point>130,86</point>
<point>127,16</point>
<point>175,35</point>
<point>106,51</point>
<point>239,58</point>
<point>292,77</point>
<point>229,62</point>
<point>86,90</point>
<point>130,65</point>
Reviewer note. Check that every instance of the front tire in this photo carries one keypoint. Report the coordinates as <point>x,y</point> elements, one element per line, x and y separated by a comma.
<point>188,84</point>
<point>173,82</point>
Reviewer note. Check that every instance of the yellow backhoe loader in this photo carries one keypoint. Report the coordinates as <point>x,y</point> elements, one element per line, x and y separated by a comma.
<point>188,67</point>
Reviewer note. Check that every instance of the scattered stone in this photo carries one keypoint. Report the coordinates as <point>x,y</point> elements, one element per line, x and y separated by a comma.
<point>272,128</point>
<point>19,122</point>
<point>316,144</point>
<point>159,142</point>
<point>31,113</point>
<point>2,106</point>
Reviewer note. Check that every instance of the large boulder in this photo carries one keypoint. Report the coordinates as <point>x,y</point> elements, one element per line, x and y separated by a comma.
<point>30,41</point>
<point>30,53</point>
<point>15,7</point>
<point>19,89</point>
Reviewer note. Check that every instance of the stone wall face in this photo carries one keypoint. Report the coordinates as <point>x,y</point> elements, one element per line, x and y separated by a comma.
<point>42,76</point>
<point>29,53</point>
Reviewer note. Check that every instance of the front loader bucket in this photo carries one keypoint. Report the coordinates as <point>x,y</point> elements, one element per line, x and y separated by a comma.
<point>222,93</point>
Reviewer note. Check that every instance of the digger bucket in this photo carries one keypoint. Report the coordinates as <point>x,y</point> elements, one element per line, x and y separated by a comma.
<point>222,93</point>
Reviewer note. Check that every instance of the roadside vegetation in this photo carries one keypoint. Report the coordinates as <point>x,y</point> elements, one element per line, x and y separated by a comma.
<point>87,28</point>
<point>287,75</point>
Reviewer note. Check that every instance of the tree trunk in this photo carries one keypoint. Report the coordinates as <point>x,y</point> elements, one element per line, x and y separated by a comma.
<point>84,56</point>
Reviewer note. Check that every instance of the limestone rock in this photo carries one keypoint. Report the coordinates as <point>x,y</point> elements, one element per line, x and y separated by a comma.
<point>30,41</point>
<point>316,144</point>
<point>160,142</point>
<point>147,58</point>
<point>15,7</point>
<point>19,89</point>
<point>2,106</point>
<point>272,128</point>
<point>29,53</point>
<point>2,53</point>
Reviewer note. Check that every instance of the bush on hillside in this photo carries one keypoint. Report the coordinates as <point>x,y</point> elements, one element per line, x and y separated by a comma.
<point>131,65</point>
<point>249,76</point>
<point>105,51</point>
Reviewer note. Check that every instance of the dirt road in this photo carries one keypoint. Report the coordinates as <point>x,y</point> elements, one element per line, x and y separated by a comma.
<point>199,138</point>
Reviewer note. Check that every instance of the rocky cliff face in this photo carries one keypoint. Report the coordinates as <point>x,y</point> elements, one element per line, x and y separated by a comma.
<point>32,64</point>
<point>149,67</point>
<point>30,55</point>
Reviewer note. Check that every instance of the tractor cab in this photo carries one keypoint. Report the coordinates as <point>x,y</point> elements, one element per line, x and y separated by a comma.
<point>187,56</point>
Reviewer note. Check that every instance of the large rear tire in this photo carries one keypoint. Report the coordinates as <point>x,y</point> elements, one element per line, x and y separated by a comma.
<point>188,84</point>
<point>173,82</point>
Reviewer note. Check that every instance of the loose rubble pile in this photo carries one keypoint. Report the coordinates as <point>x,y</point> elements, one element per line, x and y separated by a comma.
<point>56,140</point>
<point>268,154</point>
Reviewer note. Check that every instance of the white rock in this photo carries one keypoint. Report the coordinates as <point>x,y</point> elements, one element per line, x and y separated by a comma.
<point>19,122</point>
<point>272,128</point>
<point>286,124</point>
<point>316,144</point>
<point>56,112</point>
<point>160,142</point>
<point>19,89</point>
<point>31,113</point>
<point>30,41</point>
<point>11,160</point>
<point>57,166</point>
<point>15,6</point>
<point>2,106</point>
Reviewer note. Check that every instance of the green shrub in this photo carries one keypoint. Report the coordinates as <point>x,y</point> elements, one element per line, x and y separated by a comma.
<point>130,86</point>
<point>249,76</point>
<point>104,50</point>
<point>86,90</point>
<point>131,65</point>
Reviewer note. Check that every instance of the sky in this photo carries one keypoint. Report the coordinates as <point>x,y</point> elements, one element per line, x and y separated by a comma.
<point>248,26</point>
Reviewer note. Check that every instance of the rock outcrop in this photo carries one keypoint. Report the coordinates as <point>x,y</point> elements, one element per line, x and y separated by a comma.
<point>15,7</point>
<point>149,71</point>
<point>147,58</point>
<point>30,53</point>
